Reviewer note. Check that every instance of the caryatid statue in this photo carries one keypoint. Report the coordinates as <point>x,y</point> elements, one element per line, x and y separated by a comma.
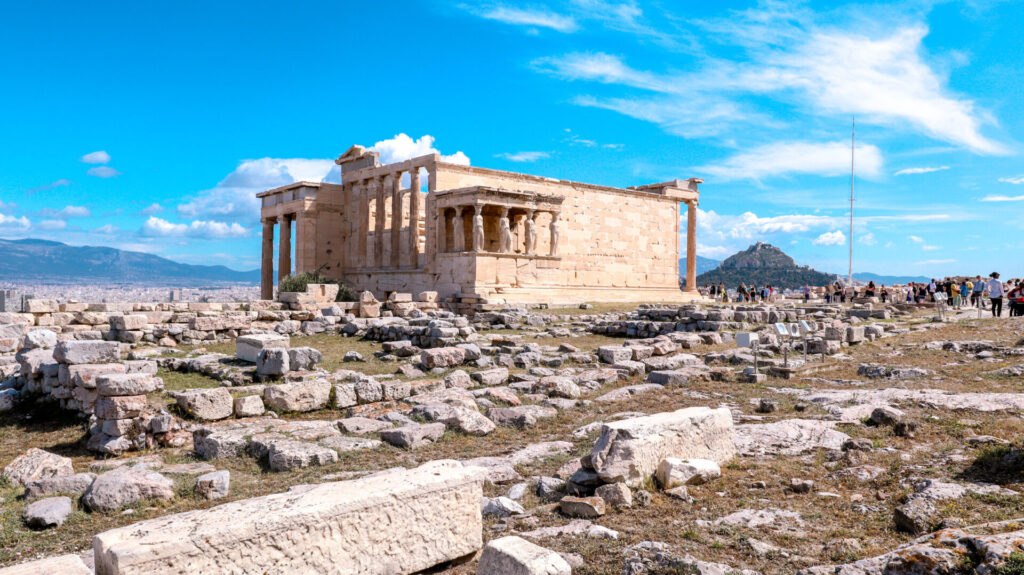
<point>478,229</point>
<point>459,243</point>
<point>531,233</point>
<point>504,233</point>
<point>555,232</point>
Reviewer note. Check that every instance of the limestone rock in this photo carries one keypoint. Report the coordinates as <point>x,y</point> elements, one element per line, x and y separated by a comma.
<point>584,507</point>
<point>248,347</point>
<point>111,384</point>
<point>37,464</point>
<point>249,406</point>
<point>399,522</point>
<point>87,351</point>
<point>468,421</point>
<point>303,358</point>
<point>124,486</point>
<point>500,507</point>
<point>630,450</point>
<point>273,362</point>
<point>207,404</point>
<point>68,484</point>
<point>414,435</point>
<point>788,437</point>
<point>673,472</point>
<point>442,357</point>
<point>287,454</point>
<point>50,512</point>
<point>615,494</point>
<point>298,397</point>
<point>213,485</point>
<point>516,556</point>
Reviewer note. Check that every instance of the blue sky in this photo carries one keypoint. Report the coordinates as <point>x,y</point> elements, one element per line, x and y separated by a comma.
<point>150,126</point>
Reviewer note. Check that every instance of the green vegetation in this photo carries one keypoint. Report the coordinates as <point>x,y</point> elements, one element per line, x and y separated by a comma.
<point>298,283</point>
<point>1014,565</point>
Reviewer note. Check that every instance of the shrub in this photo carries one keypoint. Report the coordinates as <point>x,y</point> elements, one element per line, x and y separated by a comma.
<point>1014,565</point>
<point>298,283</point>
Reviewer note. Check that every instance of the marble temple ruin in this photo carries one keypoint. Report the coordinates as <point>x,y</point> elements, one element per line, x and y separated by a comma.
<point>481,233</point>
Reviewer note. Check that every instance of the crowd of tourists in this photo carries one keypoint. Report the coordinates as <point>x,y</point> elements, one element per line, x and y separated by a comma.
<point>957,293</point>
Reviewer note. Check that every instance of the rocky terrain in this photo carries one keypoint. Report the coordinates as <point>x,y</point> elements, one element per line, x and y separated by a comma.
<point>588,441</point>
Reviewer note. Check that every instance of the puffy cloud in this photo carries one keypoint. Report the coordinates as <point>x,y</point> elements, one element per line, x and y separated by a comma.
<point>911,171</point>
<point>1014,180</point>
<point>525,156</point>
<point>868,239</point>
<point>823,159</point>
<point>151,210</point>
<point>157,227</point>
<point>402,147</point>
<point>13,223</point>
<point>833,238</point>
<point>53,224</point>
<point>66,212</point>
<point>99,157</point>
<point>107,229</point>
<point>531,17</point>
<point>103,172</point>
<point>916,239</point>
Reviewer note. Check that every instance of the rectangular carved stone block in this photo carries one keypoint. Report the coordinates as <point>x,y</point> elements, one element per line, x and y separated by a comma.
<point>387,524</point>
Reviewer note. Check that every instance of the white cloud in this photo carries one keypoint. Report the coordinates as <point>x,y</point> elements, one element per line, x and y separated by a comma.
<point>928,248</point>
<point>916,239</point>
<point>66,212</point>
<point>823,159</point>
<point>402,147</point>
<point>714,251</point>
<point>107,229</point>
<point>783,53</point>
<point>935,262</point>
<point>1015,180</point>
<point>525,156</point>
<point>56,184</point>
<point>868,239</point>
<point>833,238</point>
<point>103,172</point>
<point>151,210</point>
<point>13,223</point>
<point>998,198</point>
<point>157,227</point>
<point>53,224</point>
<point>99,157</point>
<point>532,17</point>
<point>910,171</point>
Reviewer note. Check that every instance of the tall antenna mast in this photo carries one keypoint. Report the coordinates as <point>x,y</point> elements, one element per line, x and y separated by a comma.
<point>853,139</point>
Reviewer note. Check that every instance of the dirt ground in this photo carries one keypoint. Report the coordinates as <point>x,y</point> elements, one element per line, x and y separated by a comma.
<point>838,507</point>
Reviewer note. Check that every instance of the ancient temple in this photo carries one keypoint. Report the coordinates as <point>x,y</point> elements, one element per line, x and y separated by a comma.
<point>468,232</point>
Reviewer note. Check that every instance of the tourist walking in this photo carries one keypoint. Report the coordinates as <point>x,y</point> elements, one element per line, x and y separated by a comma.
<point>995,294</point>
<point>978,291</point>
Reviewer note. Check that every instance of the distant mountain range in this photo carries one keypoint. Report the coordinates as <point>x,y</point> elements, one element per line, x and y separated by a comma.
<point>53,262</point>
<point>888,280</point>
<point>703,265</point>
<point>762,264</point>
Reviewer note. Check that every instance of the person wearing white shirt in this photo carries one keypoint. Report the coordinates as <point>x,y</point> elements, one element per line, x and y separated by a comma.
<point>995,294</point>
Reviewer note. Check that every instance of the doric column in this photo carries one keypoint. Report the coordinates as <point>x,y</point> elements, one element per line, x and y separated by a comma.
<point>414,217</point>
<point>555,233</point>
<point>396,220</point>
<point>691,246</point>
<point>362,196</point>
<point>531,233</point>
<point>504,233</point>
<point>459,236</point>
<point>267,264</point>
<point>478,228</point>
<point>284,254</point>
<point>378,245</point>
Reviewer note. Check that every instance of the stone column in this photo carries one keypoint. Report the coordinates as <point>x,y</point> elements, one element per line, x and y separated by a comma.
<point>396,220</point>
<point>555,233</point>
<point>267,265</point>
<point>458,233</point>
<point>414,217</point>
<point>362,195</point>
<point>378,244</point>
<point>504,233</point>
<point>691,246</point>
<point>478,228</point>
<point>284,254</point>
<point>531,233</point>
